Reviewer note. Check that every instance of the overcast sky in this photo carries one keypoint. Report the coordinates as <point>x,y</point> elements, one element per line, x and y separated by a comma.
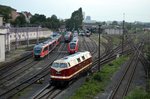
<point>100,10</point>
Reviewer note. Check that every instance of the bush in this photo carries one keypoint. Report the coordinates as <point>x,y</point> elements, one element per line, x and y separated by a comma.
<point>97,76</point>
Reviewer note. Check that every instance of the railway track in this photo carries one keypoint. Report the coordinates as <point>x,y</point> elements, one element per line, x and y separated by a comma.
<point>5,67</point>
<point>90,45</point>
<point>21,70</point>
<point>122,87</point>
<point>27,81</point>
<point>49,92</point>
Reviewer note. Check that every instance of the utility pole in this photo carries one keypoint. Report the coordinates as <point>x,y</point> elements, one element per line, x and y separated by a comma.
<point>27,31</point>
<point>8,39</point>
<point>99,31</point>
<point>123,32</point>
<point>37,35</point>
<point>16,38</point>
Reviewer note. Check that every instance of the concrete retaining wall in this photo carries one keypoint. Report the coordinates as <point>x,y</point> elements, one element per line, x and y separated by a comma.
<point>2,47</point>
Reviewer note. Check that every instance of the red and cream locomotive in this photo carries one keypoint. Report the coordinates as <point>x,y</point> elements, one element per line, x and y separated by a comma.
<point>65,69</point>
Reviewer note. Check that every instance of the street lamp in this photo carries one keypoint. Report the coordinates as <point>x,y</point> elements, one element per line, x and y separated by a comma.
<point>99,31</point>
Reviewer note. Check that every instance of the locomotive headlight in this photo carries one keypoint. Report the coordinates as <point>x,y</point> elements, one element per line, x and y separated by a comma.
<point>58,72</point>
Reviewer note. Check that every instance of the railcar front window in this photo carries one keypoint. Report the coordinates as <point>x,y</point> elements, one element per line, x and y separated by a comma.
<point>72,46</point>
<point>37,50</point>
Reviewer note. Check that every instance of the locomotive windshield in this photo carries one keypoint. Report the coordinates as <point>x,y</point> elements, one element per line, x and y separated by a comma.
<point>59,65</point>
<point>72,45</point>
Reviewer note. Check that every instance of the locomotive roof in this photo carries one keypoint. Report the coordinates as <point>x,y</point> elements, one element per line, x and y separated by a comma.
<point>72,57</point>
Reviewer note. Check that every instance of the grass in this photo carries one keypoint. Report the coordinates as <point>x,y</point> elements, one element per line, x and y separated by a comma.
<point>138,93</point>
<point>97,82</point>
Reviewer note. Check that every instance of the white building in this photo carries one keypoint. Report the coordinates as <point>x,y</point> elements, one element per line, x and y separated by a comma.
<point>1,20</point>
<point>2,47</point>
<point>88,18</point>
<point>113,31</point>
<point>9,35</point>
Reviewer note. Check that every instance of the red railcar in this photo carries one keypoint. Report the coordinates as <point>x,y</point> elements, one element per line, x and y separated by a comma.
<point>67,68</point>
<point>73,46</point>
<point>43,49</point>
<point>68,37</point>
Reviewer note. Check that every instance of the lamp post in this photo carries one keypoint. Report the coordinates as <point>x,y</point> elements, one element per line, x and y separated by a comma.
<point>99,31</point>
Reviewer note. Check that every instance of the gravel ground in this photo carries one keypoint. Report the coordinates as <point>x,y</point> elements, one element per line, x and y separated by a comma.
<point>66,94</point>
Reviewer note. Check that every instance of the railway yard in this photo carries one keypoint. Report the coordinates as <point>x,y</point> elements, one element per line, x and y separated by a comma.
<point>27,78</point>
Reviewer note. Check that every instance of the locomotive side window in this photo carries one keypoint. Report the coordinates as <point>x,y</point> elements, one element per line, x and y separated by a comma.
<point>78,59</point>
<point>83,57</point>
<point>68,63</point>
<point>63,65</point>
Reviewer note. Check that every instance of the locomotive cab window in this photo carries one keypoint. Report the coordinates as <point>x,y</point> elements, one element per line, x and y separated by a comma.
<point>78,59</point>
<point>59,65</point>
<point>83,57</point>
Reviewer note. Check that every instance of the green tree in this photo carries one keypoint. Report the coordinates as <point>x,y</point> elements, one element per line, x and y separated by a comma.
<point>75,22</point>
<point>55,24</point>
<point>5,11</point>
<point>38,19</point>
<point>20,21</point>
